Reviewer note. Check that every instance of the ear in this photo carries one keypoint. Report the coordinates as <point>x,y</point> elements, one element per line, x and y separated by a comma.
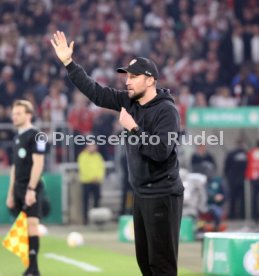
<point>150,81</point>
<point>30,116</point>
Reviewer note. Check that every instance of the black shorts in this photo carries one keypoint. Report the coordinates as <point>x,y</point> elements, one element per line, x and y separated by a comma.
<point>34,210</point>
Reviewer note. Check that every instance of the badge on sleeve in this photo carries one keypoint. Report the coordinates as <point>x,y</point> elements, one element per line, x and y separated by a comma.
<point>41,146</point>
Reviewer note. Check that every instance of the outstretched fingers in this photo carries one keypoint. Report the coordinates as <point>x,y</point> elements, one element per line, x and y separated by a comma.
<point>71,45</point>
<point>53,44</point>
<point>63,37</point>
<point>59,36</point>
<point>59,39</point>
<point>56,39</point>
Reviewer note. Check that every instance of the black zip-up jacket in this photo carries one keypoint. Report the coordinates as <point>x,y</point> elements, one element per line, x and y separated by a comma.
<point>153,169</point>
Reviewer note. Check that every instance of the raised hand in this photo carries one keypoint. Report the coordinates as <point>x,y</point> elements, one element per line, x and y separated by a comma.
<point>63,51</point>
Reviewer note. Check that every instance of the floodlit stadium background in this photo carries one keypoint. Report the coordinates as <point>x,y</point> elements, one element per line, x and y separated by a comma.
<point>207,53</point>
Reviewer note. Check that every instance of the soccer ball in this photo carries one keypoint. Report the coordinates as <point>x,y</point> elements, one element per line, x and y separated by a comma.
<point>75,239</point>
<point>43,230</point>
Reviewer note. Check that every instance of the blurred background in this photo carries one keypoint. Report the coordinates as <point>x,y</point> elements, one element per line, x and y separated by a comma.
<point>207,53</point>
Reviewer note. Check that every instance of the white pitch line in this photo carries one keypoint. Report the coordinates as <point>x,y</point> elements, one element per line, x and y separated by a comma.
<point>66,260</point>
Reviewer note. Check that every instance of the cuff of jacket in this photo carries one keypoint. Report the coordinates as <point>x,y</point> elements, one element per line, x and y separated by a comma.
<point>71,66</point>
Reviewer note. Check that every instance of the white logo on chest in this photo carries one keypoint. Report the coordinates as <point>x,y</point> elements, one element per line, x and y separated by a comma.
<point>22,152</point>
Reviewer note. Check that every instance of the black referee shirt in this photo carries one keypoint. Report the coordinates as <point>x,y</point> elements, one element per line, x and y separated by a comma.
<point>24,146</point>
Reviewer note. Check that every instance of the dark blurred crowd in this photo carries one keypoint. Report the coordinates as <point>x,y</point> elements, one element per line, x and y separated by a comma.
<point>207,52</point>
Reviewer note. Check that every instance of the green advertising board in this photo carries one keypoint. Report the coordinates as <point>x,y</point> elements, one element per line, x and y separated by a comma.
<point>5,216</point>
<point>241,117</point>
<point>53,191</point>
<point>126,228</point>
<point>187,230</point>
<point>231,254</point>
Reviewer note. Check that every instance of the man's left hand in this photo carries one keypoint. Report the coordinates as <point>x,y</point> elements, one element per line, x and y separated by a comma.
<point>126,120</point>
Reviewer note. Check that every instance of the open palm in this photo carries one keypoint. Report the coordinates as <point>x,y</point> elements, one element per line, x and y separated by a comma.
<point>63,51</point>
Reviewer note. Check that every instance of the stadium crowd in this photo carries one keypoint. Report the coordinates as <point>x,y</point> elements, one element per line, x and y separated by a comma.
<point>207,53</point>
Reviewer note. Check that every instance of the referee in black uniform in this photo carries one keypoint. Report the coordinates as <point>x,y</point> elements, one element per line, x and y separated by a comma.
<point>25,187</point>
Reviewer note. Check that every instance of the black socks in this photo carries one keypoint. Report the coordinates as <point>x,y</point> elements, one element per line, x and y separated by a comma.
<point>33,253</point>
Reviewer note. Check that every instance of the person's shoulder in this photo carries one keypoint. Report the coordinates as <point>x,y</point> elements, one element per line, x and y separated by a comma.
<point>99,155</point>
<point>81,154</point>
<point>165,98</point>
<point>26,134</point>
<point>34,130</point>
<point>168,106</point>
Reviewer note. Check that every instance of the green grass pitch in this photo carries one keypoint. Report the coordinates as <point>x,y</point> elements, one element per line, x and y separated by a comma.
<point>110,263</point>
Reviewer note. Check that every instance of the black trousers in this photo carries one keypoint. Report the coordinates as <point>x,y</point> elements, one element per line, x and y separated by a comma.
<point>89,190</point>
<point>255,193</point>
<point>35,210</point>
<point>157,226</point>
<point>237,198</point>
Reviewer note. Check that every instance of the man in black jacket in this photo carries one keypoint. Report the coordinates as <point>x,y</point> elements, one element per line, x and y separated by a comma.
<point>235,170</point>
<point>150,115</point>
